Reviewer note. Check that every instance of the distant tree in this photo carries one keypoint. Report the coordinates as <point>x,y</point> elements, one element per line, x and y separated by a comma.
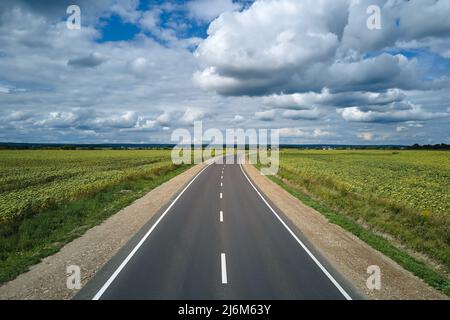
<point>441,146</point>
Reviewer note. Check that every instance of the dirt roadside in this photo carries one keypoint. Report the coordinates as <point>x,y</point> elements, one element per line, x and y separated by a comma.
<point>347,253</point>
<point>47,280</point>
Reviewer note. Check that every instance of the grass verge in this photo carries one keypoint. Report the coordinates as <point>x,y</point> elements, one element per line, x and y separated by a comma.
<point>46,233</point>
<point>418,268</point>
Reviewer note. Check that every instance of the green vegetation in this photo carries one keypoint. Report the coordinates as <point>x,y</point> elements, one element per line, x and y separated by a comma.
<point>48,198</point>
<point>403,195</point>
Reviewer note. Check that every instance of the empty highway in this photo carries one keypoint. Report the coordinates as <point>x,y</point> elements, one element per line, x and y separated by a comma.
<point>218,239</point>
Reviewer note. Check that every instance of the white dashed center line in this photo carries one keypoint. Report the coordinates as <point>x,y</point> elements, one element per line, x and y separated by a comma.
<point>223,262</point>
<point>221,195</point>
<point>221,216</point>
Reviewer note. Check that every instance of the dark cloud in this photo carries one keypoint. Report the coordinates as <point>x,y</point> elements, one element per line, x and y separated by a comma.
<point>90,61</point>
<point>396,112</point>
<point>268,115</point>
<point>312,114</point>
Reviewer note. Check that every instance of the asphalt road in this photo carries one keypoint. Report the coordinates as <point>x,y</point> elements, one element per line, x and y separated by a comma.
<point>219,239</point>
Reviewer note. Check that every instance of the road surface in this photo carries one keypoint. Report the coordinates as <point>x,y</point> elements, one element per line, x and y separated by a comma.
<point>218,239</point>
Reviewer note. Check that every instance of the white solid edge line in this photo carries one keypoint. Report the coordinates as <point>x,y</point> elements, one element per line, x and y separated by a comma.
<point>136,248</point>
<point>325,271</point>
<point>223,263</point>
<point>221,216</point>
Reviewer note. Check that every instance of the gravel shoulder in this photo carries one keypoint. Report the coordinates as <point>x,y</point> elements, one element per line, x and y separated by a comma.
<point>348,254</point>
<point>47,280</point>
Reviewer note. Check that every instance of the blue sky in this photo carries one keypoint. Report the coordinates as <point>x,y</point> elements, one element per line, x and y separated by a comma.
<point>138,70</point>
<point>114,28</point>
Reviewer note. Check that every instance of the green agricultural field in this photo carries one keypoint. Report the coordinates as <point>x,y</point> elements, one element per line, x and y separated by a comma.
<point>49,197</point>
<point>404,195</point>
